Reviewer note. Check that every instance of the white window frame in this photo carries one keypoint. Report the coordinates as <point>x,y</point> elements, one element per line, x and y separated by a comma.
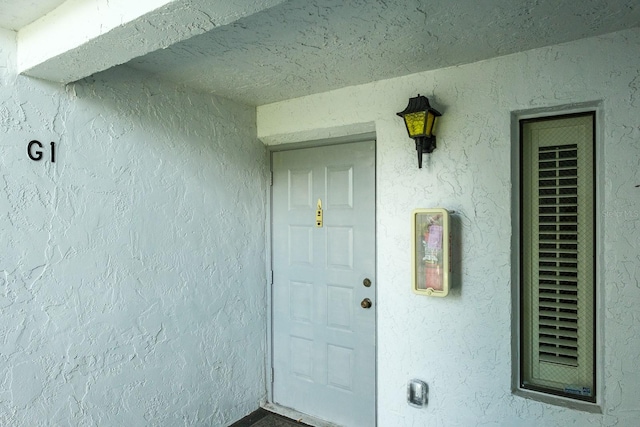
<point>517,389</point>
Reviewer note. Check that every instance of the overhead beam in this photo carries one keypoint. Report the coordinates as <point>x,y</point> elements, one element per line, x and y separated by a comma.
<point>83,37</point>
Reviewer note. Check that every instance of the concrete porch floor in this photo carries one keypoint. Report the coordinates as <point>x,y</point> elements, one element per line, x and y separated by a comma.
<point>264,418</point>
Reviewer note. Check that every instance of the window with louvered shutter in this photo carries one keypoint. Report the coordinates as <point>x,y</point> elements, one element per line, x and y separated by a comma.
<point>557,256</point>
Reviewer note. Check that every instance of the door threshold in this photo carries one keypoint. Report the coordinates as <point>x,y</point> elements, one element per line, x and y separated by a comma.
<point>297,416</point>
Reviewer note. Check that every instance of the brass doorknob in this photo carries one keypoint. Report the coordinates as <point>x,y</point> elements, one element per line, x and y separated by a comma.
<point>366,303</point>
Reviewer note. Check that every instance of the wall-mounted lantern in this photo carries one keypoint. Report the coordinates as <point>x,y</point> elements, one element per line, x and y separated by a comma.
<point>420,118</point>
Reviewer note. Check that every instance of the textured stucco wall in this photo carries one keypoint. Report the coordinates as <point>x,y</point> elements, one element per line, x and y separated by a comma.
<point>461,345</point>
<point>132,270</point>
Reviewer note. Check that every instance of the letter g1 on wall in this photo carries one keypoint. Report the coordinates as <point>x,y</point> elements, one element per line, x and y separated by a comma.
<point>34,151</point>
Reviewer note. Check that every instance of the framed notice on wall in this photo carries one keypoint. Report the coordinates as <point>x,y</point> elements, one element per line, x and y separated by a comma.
<point>430,252</point>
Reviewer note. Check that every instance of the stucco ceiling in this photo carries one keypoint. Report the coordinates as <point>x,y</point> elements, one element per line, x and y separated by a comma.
<point>301,47</point>
<point>16,14</point>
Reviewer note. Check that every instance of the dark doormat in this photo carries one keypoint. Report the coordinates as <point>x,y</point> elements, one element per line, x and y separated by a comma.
<point>264,418</point>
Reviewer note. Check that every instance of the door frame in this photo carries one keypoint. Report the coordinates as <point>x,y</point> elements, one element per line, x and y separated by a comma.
<point>370,136</point>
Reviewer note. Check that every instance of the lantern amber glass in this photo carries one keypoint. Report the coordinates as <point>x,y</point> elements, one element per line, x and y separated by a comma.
<point>420,123</point>
<point>431,119</point>
<point>415,123</point>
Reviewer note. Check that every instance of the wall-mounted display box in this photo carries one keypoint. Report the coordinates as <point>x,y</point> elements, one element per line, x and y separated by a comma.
<point>430,242</point>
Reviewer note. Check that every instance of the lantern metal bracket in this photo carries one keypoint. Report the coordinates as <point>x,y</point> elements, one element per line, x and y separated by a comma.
<point>425,145</point>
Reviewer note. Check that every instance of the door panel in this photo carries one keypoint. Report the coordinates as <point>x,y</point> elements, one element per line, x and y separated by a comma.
<point>323,340</point>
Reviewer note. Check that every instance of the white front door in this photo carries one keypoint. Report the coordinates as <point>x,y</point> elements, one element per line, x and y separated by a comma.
<point>323,338</point>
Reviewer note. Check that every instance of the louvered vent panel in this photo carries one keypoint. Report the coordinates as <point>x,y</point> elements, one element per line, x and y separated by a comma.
<point>558,254</point>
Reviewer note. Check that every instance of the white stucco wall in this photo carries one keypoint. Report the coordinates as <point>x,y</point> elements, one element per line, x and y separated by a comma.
<point>132,270</point>
<point>461,345</point>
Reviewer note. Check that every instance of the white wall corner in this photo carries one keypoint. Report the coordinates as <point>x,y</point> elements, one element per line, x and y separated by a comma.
<point>7,51</point>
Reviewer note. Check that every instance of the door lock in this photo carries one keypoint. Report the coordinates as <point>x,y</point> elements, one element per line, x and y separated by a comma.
<point>366,303</point>
<point>319,219</point>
